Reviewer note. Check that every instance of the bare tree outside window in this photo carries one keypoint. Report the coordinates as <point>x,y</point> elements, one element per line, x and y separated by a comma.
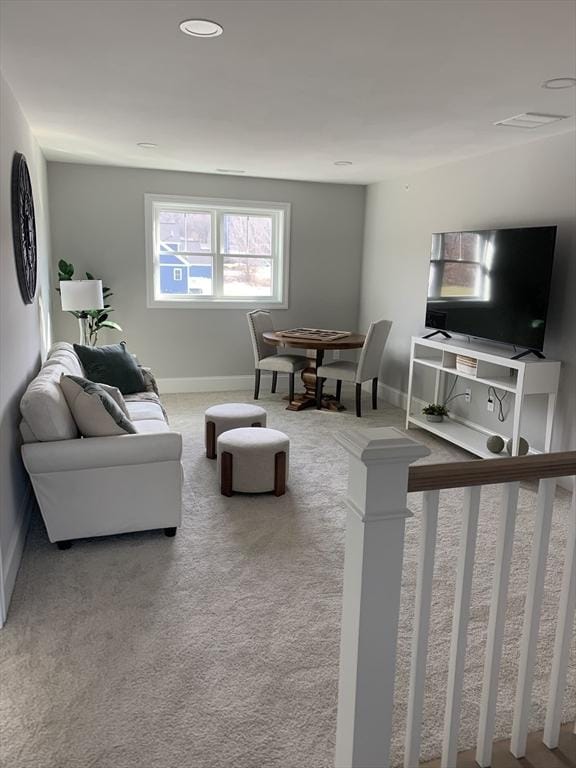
<point>247,235</point>
<point>192,232</point>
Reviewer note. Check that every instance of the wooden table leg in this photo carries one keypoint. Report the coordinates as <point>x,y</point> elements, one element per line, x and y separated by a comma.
<point>307,399</point>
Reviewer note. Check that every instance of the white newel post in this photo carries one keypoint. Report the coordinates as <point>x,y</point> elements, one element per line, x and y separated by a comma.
<point>377,490</point>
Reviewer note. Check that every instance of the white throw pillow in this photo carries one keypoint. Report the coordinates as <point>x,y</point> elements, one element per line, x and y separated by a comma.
<point>98,410</point>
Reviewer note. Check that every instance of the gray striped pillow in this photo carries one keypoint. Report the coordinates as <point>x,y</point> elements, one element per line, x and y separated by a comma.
<point>95,411</point>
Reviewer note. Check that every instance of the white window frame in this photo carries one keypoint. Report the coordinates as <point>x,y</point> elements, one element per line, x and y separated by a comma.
<point>179,278</point>
<point>280,213</point>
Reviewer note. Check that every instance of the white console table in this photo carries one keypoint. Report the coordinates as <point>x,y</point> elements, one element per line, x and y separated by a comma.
<point>519,377</point>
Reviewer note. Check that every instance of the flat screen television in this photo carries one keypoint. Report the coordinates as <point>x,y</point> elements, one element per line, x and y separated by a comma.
<point>492,284</point>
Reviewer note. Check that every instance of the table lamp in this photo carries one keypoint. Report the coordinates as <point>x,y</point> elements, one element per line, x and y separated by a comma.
<point>81,296</point>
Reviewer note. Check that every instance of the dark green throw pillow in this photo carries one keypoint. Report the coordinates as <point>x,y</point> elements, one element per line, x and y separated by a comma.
<point>112,365</point>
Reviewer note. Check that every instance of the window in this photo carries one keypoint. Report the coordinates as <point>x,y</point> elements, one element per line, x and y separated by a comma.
<point>229,252</point>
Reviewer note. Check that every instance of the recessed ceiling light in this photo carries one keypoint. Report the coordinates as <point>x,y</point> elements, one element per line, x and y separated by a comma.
<point>146,145</point>
<point>343,162</point>
<point>229,170</point>
<point>557,83</point>
<point>201,28</point>
<point>530,120</point>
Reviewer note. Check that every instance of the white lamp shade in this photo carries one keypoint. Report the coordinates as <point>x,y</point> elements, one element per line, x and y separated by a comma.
<point>81,295</point>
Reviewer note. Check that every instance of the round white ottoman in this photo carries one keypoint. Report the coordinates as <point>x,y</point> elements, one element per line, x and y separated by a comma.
<point>221,418</point>
<point>253,460</point>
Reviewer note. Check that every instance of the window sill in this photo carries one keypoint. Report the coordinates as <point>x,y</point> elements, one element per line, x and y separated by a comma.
<point>216,304</point>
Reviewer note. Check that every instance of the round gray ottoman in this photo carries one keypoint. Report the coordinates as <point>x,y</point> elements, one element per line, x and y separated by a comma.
<point>221,418</point>
<point>253,460</point>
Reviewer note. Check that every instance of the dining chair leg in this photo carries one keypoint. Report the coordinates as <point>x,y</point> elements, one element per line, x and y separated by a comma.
<point>274,381</point>
<point>290,387</point>
<point>358,400</point>
<point>257,373</point>
<point>338,389</point>
<point>319,386</point>
<point>375,393</point>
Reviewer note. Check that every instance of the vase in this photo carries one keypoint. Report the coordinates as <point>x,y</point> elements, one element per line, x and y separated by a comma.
<point>435,417</point>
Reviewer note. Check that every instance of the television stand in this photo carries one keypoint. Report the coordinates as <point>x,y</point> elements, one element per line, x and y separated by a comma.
<point>435,333</point>
<point>433,366</point>
<point>526,352</point>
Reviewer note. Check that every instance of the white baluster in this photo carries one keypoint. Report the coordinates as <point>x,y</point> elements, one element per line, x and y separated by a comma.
<point>460,626</point>
<point>426,552</point>
<point>377,489</point>
<point>563,636</point>
<point>532,608</point>
<point>410,380</point>
<point>504,545</point>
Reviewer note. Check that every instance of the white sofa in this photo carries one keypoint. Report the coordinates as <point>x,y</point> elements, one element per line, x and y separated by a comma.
<point>98,486</point>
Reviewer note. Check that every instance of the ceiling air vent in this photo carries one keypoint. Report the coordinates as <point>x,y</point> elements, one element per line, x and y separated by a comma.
<point>530,120</point>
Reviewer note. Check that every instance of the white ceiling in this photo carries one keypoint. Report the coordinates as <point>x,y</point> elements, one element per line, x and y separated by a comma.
<point>291,86</point>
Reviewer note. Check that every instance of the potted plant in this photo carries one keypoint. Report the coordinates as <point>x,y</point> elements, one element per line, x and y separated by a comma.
<point>435,412</point>
<point>96,318</point>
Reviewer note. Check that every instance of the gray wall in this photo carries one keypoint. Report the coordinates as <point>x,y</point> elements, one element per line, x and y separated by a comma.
<point>530,185</point>
<point>24,334</point>
<point>97,220</point>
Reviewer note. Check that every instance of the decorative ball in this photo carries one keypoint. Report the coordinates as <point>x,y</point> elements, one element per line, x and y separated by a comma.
<point>523,447</point>
<point>495,444</point>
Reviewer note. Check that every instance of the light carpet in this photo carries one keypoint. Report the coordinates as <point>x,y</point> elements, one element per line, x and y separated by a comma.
<point>220,647</point>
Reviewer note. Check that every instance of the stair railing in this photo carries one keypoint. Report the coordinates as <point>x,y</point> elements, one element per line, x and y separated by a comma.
<point>380,479</point>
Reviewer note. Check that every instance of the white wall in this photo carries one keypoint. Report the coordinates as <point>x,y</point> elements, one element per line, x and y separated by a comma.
<point>530,185</point>
<point>97,222</point>
<point>24,335</point>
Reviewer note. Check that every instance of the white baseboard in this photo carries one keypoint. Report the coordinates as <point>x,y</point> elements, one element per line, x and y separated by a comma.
<point>11,563</point>
<point>392,395</point>
<point>194,384</point>
<point>210,383</point>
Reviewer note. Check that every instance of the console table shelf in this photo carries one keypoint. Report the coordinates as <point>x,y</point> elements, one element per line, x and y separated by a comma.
<point>460,434</point>
<point>509,383</point>
<point>493,369</point>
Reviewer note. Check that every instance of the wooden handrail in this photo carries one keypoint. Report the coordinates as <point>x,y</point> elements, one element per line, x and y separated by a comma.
<point>461,474</point>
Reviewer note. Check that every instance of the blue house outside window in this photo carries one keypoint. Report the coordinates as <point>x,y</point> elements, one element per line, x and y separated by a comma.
<point>173,271</point>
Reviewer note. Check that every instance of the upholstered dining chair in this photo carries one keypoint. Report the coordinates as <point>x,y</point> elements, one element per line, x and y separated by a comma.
<point>367,367</point>
<point>266,357</point>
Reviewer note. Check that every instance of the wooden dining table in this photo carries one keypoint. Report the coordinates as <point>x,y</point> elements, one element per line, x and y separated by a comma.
<point>307,399</point>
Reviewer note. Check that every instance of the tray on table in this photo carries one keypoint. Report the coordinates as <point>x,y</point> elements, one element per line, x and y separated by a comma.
<point>313,334</point>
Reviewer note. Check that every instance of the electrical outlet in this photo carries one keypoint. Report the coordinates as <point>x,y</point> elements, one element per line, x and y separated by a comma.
<point>468,394</point>
<point>490,405</point>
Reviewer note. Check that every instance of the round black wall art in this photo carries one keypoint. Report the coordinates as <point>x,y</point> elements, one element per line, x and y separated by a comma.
<point>24,228</point>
